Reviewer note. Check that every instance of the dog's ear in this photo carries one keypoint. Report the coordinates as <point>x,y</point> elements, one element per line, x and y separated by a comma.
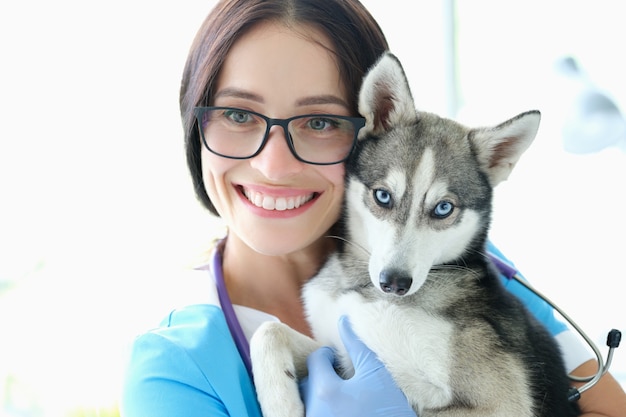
<point>500,147</point>
<point>385,97</point>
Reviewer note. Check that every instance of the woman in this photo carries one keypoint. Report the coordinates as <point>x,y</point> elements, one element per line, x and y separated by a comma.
<point>282,59</point>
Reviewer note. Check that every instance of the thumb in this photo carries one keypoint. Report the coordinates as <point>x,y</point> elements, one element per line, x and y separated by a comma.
<point>361,356</point>
<point>322,378</point>
<point>320,366</point>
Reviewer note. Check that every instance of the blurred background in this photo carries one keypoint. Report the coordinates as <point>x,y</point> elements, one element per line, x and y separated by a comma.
<point>97,213</point>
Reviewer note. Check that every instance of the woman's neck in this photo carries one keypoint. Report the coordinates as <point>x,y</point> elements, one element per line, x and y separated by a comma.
<point>272,284</point>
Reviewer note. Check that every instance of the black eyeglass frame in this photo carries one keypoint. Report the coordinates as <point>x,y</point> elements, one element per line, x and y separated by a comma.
<point>357,122</point>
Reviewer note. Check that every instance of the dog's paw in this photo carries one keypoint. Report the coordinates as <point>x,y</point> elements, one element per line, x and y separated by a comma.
<point>275,371</point>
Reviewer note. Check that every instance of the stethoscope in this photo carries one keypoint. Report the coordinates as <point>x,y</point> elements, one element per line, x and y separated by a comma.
<point>612,341</point>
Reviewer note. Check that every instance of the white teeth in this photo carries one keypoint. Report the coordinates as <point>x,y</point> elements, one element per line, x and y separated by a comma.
<point>272,203</point>
<point>268,203</point>
<point>281,204</point>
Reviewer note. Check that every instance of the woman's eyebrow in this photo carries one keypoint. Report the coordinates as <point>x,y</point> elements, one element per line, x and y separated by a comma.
<point>238,93</point>
<point>305,101</point>
<point>322,99</point>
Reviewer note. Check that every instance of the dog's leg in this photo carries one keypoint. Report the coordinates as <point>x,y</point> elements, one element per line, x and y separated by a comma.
<point>278,355</point>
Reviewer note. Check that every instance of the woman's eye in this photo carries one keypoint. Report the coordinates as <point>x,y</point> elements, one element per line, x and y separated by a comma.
<point>320,123</point>
<point>383,197</point>
<point>443,209</point>
<point>238,116</point>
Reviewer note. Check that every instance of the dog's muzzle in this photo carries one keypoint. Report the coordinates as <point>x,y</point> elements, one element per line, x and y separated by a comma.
<point>395,282</point>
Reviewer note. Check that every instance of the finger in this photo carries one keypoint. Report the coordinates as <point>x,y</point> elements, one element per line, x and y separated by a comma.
<point>320,366</point>
<point>359,353</point>
<point>351,341</point>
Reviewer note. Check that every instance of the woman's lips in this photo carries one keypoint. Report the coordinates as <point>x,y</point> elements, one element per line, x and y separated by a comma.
<point>278,203</point>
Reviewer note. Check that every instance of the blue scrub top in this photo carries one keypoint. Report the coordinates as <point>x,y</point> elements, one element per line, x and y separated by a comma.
<point>189,366</point>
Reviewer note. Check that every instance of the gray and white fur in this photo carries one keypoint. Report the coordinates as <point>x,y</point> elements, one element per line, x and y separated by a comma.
<point>412,273</point>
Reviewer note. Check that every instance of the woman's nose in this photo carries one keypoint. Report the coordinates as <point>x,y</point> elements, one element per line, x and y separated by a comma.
<point>276,160</point>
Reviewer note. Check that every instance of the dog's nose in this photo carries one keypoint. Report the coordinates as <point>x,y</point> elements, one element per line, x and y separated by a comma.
<point>396,282</point>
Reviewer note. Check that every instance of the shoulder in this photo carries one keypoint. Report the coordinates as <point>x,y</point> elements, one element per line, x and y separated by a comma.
<point>192,327</point>
<point>189,359</point>
<point>175,348</point>
<point>196,335</point>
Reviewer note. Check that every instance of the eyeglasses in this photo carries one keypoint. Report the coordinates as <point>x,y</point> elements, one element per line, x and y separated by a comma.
<point>319,139</point>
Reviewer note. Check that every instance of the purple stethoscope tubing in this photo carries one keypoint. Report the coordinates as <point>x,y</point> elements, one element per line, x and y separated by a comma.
<point>229,312</point>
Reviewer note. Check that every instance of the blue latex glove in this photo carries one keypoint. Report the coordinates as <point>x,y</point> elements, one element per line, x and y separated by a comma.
<point>370,392</point>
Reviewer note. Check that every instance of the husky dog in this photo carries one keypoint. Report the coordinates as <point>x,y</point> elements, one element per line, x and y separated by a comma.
<point>412,273</point>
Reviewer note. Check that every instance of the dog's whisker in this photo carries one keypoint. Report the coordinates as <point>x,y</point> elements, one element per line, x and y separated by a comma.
<point>349,242</point>
<point>449,267</point>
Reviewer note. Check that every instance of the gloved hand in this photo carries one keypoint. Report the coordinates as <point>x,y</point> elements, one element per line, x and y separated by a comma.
<point>371,392</point>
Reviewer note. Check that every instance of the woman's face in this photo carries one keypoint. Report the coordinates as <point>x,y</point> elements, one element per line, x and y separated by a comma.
<point>278,72</point>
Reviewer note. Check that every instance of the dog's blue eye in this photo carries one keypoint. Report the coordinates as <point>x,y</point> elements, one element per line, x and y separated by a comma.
<point>383,197</point>
<point>443,209</point>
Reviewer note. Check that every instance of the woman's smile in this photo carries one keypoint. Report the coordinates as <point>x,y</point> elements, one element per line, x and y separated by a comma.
<point>275,202</point>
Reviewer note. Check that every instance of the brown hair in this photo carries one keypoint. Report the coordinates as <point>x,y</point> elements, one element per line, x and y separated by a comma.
<point>356,38</point>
